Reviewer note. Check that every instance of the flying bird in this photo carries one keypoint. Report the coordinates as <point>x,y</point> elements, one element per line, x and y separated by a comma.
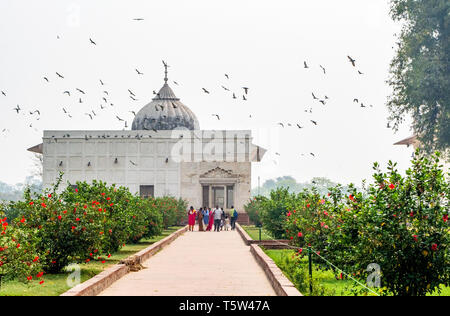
<point>300,127</point>
<point>314,97</point>
<point>314,122</point>
<point>245,90</point>
<point>217,115</point>
<point>281,124</point>
<point>355,100</point>
<point>305,65</point>
<point>4,93</point>
<point>101,82</point>
<point>138,72</point>
<point>244,98</point>
<point>67,92</point>
<point>46,79</point>
<point>360,72</point>
<point>225,88</point>
<point>92,42</point>
<point>234,96</point>
<point>17,109</point>
<point>324,71</point>
<point>131,92</point>
<point>206,91</point>
<point>122,120</point>
<point>352,61</point>
<point>90,115</point>
<point>59,75</point>
<point>138,19</point>
<point>228,77</point>
<point>81,91</point>
<point>133,163</point>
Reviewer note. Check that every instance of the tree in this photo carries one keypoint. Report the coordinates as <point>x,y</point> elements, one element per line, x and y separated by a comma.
<point>420,71</point>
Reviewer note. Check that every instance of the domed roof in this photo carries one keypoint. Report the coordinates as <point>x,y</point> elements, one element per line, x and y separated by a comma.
<point>165,112</point>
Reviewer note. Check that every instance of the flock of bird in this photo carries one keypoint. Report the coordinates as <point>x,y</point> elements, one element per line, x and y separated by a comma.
<point>105,101</point>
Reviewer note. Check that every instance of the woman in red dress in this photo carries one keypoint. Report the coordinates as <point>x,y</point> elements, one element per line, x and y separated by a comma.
<point>211,221</point>
<point>191,218</point>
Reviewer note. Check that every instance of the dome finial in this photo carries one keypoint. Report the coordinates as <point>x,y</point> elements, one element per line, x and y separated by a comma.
<point>165,71</point>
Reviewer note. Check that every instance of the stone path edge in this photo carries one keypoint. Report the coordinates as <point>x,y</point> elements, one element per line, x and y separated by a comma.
<point>103,280</point>
<point>279,282</point>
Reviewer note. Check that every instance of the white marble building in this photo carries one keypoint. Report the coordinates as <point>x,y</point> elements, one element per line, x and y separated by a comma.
<point>165,153</point>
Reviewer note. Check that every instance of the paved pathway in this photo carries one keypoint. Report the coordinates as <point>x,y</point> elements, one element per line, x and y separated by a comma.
<point>198,264</point>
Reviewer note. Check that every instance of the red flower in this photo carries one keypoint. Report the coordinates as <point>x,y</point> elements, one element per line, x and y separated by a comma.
<point>41,282</point>
<point>300,250</point>
<point>22,220</point>
<point>40,274</point>
<point>49,195</point>
<point>445,218</point>
<point>292,238</point>
<point>108,198</point>
<point>351,197</point>
<point>87,260</point>
<point>415,237</point>
<point>43,205</point>
<point>35,259</point>
<point>103,261</point>
<point>434,247</point>
<point>101,233</point>
<point>308,205</point>
<point>300,234</point>
<point>109,256</point>
<point>103,194</point>
<point>73,227</point>
<point>391,186</point>
<point>65,212</point>
<point>76,190</point>
<point>85,206</point>
<point>29,278</point>
<point>18,245</point>
<point>77,219</point>
<point>59,217</point>
<point>31,203</point>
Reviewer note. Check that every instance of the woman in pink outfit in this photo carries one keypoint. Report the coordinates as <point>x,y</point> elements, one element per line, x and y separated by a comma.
<point>191,218</point>
<point>211,221</point>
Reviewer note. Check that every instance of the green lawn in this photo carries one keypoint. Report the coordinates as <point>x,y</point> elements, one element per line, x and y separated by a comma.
<point>55,284</point>
<point>253,232</point>
<point>327,279</point>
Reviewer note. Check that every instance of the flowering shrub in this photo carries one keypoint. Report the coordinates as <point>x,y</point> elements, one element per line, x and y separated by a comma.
<point>84,223</point>
<point>173,211</point>
<point>18,258</point>
<point>403,227</point>
<point>398,222</point>
<point>309,221</point>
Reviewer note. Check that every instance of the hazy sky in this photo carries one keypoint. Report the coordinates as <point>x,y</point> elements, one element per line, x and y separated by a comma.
<point>261,44</point>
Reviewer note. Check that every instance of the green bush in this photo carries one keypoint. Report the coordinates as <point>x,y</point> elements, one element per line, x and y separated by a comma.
<point>403,227</point>
<point>274,210</point>
<point>18,256</point>
<point>253,209</point>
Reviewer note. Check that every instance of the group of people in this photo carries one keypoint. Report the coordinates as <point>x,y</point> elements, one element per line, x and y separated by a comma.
<point>205,217</point>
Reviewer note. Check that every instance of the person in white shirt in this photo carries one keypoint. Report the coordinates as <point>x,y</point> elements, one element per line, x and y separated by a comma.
<point>217,218</point>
